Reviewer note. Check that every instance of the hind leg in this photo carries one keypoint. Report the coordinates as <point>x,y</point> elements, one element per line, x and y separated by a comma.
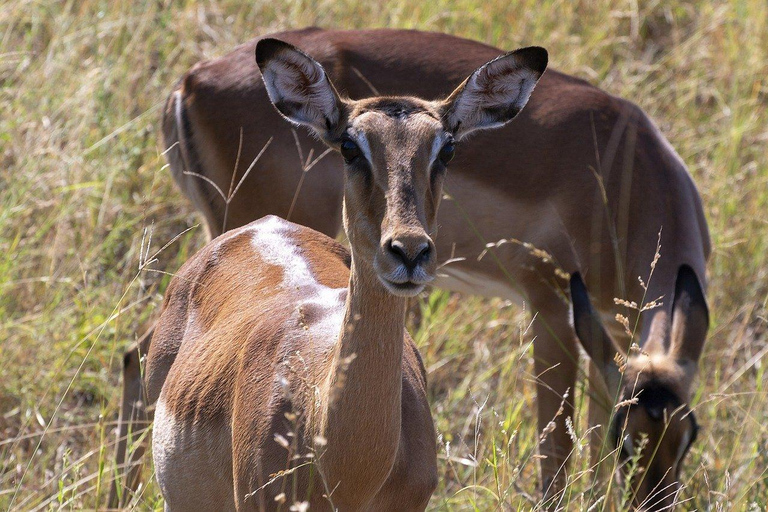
<point>133,422</point>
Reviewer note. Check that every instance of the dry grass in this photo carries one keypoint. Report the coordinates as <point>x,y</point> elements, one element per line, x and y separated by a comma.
<point>82,183</point>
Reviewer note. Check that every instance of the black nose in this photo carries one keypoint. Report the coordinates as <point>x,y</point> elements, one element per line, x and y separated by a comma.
<point>410,252</point>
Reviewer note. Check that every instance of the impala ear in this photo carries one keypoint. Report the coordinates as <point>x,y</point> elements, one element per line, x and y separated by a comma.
<point>298,86</point>
<point>592,335</point>
<point>690,317</point>
<point>495,92</point>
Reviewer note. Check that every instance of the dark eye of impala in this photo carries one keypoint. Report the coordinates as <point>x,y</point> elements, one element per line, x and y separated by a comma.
<point>349,150</point>
<point>447,152</point>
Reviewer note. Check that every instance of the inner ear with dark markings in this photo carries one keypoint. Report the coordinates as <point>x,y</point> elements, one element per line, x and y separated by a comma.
<point>592,335</point>
<point>299,88</point>
<point>495,93</point>
<point>690,317</point>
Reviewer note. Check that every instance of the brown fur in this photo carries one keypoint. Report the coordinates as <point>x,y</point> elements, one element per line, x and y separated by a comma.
<point>272,332</point>
<point>214,382</point>
<point>532,180</point>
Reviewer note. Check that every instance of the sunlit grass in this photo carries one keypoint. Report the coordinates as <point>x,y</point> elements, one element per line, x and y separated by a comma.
<point>83,185</point>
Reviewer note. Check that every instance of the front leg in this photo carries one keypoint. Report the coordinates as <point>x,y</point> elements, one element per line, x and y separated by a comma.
<point>601,402</point>
<point>556,363</point>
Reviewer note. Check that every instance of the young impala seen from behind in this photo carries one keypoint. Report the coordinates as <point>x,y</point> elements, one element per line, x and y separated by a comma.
<point>274,337</point>
<point>582,180</point>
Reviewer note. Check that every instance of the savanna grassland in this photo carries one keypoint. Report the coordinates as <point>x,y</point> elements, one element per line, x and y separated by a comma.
<point>91,226</point>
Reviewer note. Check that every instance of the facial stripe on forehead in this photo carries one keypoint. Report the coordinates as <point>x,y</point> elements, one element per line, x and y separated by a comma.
<point>357,133</point>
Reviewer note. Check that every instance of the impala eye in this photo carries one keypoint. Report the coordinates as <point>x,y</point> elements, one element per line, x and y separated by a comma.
<point>447,152</point>
<point>349,150</point>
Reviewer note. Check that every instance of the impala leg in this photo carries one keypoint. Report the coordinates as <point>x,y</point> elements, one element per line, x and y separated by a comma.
<point>134,419</point>
<point>556,364</point>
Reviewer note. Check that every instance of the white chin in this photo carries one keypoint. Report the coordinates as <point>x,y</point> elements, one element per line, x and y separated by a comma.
<point>402,289</point>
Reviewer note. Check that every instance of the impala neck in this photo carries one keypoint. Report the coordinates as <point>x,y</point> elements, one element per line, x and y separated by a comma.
<point>363,414</point>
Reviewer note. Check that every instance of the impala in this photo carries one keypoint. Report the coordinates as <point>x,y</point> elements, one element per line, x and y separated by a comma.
<point>651,385</point>
<point>581,181</point>
<point>276,347</point>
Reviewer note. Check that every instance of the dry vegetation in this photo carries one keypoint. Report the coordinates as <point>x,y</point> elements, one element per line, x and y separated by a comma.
<point>83,185</point>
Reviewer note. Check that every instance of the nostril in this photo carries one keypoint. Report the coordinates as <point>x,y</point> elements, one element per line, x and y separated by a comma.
<point>422,253</point>
<point>398,249</point>
<point>409,254</point>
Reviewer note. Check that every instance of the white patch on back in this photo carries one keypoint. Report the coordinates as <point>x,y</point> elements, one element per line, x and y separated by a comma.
<point>272,240</point>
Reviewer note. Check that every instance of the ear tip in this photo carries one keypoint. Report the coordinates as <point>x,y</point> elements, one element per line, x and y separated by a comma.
<point>687,271</point>
<point>688,279</point>
<point>267,48</point>
<point>580,301</point>
<point>536,57</point>
<point>577,283</point>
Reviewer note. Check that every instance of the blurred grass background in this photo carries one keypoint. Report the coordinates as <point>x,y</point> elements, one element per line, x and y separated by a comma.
<point>83,186</point>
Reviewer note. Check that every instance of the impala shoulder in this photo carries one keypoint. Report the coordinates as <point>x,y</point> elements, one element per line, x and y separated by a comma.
<point>673,173</point>
<point>312,257</point>
<point>306,257</point>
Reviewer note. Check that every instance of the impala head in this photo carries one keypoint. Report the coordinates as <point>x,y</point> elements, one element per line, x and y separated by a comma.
<point>657,381</point>
<point>395,149</point>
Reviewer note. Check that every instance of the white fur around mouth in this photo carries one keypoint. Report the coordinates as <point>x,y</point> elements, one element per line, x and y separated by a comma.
<point>406,289</point>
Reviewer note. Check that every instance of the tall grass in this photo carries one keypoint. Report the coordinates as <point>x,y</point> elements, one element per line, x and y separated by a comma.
<point>84,197</point>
